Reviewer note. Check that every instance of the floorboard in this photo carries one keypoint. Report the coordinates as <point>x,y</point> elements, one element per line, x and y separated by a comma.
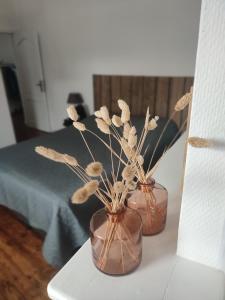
<point>24,274</point>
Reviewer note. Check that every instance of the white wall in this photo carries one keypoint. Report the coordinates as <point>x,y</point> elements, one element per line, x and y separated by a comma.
<point>84,37</point>
<point>6,48</point>
<point>7,136</point>
<point>202,221</point>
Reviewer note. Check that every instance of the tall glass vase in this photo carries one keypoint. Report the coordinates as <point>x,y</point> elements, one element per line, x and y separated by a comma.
<point>116,240</point>
<point>150,200</point>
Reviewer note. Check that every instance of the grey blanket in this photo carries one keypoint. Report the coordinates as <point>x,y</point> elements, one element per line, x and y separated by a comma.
<point>40,190</point>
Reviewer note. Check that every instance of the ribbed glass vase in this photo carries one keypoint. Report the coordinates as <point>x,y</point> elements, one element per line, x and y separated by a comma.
<point>116,240</point>
<point>150,200</point>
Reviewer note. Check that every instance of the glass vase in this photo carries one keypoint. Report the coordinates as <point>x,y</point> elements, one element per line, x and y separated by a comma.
<point>150,200</point>
<point>116,240</point>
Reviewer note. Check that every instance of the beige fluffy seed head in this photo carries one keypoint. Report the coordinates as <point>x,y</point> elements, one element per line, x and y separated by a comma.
<point>126,130</point>
<point>132,185</point>
<point>125,111</point>
<point>72,113</point>
<point>132,141</point>
<point>183,102</point>
<point>80,196</point>
<point>98,114</point>
<point>127,149</point>
<point>140,160</point>
<point>119,187</point>
<point>117,121</point>
<point>152,124</point>
<point>94,169</point>
<point>70,160</point>
<point>102,126</point>
<point>128,173</point>
<point>198,142</point>
<point>105,115</point>
<point>80,126</point>
<point>147,119</point>
<point>50,154</point>
<point>92,187</point>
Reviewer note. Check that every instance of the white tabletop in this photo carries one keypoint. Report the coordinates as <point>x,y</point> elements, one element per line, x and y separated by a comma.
<point>161,274</point>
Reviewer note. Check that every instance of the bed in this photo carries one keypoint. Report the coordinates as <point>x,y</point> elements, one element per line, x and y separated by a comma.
<point>40,190</point>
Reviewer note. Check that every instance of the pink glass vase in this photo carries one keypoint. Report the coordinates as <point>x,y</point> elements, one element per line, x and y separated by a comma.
<point>150,200</point>
<point>116,240</point>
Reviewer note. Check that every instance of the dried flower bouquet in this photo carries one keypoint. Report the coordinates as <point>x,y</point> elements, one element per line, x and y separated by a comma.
<point>114,189</point>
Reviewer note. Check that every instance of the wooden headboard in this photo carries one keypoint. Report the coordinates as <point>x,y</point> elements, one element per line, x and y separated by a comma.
<point>159,93</point>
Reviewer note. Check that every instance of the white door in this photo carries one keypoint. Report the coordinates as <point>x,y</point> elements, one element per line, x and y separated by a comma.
<point>31,79</point>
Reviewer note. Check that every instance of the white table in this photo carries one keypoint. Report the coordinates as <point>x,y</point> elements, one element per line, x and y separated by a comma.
<point>161,274</point>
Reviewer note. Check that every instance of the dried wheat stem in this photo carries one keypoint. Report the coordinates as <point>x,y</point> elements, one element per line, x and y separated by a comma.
<point>107,146</point>
<point>89,150</point>
<point>160,137</point>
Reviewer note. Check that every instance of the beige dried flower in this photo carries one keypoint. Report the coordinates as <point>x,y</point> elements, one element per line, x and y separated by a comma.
<point>128,173</point>
<point>127,149</point>
<point>147,119</point>
<point>72,113</point>
<point>92,187</point>
<point>102,126</point>
<point>133,130</point>
<point>50,154</point>
<point>153,123</point>
<point>94,169</point>
<point>125,111</point>
<point>126,130</point>
<point>105,115</point>
<point>119,187</point>
<point>70,160</point>
<point>198,142</point>
<point>140,160</point>
<point>80,126</point>
<point>183,102</point>
<point>98,114</point>
<point>80,196</point>
<point>117,121</point>
<point>132,185</point>
<point>132,141</point>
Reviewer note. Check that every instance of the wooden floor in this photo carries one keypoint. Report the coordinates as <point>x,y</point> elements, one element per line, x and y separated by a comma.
<point>24,274</point>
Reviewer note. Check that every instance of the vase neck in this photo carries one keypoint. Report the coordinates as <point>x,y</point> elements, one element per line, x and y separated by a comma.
<point>146,187</point>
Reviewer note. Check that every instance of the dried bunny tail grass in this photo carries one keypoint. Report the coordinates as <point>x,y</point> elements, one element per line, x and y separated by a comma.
<point>130,153</point>
<point>198,142</point>
<point>119,187</point>
<point>140,160</point>
<point>126,130</point>
<point>125,111</point>
<point>72,113</point>
<point>103,127</point>
<point>133,130</point>
<point>132,141</point>
<point>92,187</point>
<point>153,123</point>
<point>183,102</point>
<point>70,160</point>
<point>80,196</point>
<point>98,114</point>
<point>94,169</point>
<point>128,173</point>
<point>117,121</point>
<point>105,115</point>
<point>50,154</point>
<point>80,126</point>
<point>132,185</point>
<point>147,119</point>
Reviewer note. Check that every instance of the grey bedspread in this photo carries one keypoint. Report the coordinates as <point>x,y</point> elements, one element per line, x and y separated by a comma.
<point>40,189</point>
